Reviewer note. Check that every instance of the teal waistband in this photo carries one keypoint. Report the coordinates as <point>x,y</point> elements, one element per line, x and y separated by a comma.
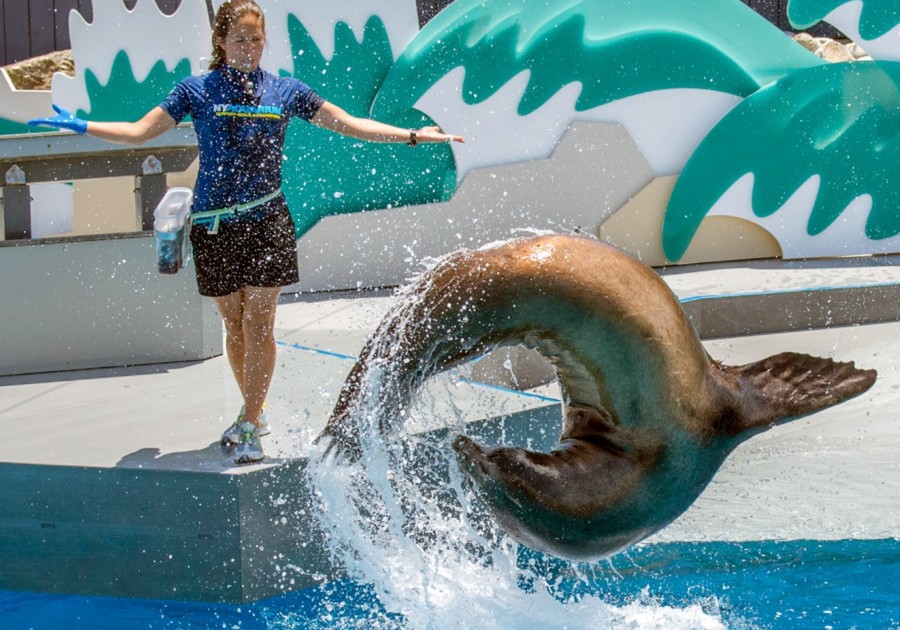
<point>213,216</point>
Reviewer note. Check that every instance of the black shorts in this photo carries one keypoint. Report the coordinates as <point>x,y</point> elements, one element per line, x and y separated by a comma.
<point>256,249</point>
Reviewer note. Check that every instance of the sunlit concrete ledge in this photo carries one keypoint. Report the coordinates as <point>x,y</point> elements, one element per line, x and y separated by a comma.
<point>807,309</point>
<point>232,536</point>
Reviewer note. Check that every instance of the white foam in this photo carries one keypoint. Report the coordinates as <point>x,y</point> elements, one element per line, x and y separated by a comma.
<point>439,560</point>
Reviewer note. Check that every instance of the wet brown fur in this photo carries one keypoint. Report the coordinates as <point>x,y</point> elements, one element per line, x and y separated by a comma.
<point>648,416</point>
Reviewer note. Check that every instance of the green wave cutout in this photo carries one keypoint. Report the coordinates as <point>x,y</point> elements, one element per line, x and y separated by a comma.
<point>327,174</point>
<point>839,121</point>
<point>122,97</point>
<point>876,18</point>
<point>125,98</point>
<point>11,127</point>
<point>614,49</point>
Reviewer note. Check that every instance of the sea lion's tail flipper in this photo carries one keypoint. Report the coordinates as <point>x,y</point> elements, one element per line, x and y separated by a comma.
<point>790,385</point>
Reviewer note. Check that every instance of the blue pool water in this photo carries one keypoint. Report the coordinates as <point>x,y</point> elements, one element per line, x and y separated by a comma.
<point>799,584</point>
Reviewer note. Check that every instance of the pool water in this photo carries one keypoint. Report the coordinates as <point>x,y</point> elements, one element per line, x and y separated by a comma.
<point>797,584</point>
<point>424,553</point>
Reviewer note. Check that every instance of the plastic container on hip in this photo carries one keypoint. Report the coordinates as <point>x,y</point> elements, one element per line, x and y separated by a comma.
<point>169,221</point>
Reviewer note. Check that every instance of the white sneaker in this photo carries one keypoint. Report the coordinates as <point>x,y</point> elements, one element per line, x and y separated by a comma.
<point>232,435</point>
<point>249,449</point>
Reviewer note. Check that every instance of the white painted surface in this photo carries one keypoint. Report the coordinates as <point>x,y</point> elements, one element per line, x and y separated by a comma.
<point>846,19</point>
<point>52,208</point>
<point>94,303</point>
<point>137,32</point>
<point>561,193</point>
<point>22,105</point>
<point>789,224</point>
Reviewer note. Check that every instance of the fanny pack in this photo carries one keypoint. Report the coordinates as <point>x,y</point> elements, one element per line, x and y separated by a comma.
<point>211,217</point>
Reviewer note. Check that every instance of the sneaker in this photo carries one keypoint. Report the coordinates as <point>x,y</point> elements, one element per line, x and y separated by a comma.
<point>232,435</point>
<point>249,449</point>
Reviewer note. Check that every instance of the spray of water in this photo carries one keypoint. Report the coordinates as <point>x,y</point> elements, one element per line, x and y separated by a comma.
<point>400,517</point>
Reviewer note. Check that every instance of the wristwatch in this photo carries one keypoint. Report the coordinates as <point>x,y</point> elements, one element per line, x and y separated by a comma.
<point>412,138</point>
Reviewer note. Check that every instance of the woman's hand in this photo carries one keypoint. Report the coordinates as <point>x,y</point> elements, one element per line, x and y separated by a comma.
<point>433,134</point>
<point>63,120</point>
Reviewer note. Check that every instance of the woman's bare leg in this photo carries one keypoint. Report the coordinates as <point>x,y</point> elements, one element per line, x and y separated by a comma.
<point>231,308</point>
<point>249,316</point>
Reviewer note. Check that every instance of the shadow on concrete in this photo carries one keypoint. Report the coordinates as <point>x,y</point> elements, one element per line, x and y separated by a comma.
<point>211,459</point>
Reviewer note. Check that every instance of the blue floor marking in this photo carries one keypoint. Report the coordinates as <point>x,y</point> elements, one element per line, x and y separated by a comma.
<point>327,353</point>
<point>500,388</point>
<point>684,300</point>
<point>716,296</point>
<point>338,355</point>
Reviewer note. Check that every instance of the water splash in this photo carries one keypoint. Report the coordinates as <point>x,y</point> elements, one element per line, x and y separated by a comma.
<point>398,516</point>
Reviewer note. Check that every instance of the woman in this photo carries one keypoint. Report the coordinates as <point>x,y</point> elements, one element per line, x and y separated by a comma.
<point>242,233</point>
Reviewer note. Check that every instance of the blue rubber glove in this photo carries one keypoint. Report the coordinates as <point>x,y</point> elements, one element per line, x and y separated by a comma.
<point>63,120</point>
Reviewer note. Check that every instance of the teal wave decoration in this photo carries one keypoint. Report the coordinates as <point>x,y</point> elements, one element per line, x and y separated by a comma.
<point>327,174</point>
<point>11,127</point>
<point>123,97</point>
<point>876,18</point>
<point>614,49</point>
<point>839,121</point>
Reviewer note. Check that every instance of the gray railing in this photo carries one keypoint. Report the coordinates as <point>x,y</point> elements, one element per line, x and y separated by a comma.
<point>63,156</point>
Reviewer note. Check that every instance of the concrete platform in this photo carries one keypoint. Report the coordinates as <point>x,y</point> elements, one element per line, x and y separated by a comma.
<point>115,483</point>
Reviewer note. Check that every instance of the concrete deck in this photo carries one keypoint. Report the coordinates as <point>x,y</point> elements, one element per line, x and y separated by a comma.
<point>115,483</point>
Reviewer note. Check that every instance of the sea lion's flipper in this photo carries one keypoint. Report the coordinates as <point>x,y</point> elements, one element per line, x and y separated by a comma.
<point>790,385</point>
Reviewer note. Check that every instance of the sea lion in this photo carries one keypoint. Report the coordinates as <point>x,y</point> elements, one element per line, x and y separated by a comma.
<point>648,416</point>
